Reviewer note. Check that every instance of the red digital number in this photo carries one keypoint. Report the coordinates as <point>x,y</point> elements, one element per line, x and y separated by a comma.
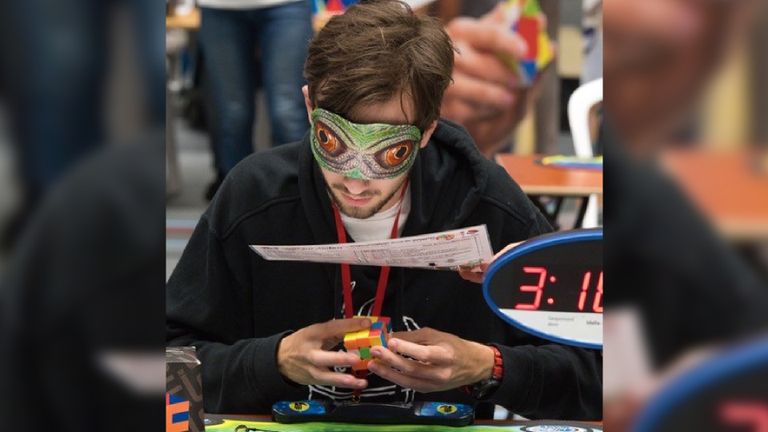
<point>542,272</point>
<point>584,288</point>
<point>753,415</point>
<point>597,305</point>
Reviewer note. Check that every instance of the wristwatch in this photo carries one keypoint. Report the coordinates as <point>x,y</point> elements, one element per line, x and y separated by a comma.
<point>481,390</point>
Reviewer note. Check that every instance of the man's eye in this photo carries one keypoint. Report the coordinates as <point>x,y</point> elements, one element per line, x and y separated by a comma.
<point>328,140</point>
<point>397,154</point>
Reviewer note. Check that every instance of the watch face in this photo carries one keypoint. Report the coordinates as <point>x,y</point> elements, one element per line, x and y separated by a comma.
<point>552,286</point>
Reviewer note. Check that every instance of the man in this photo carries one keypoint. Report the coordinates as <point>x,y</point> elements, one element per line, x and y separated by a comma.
<point>377,163</point>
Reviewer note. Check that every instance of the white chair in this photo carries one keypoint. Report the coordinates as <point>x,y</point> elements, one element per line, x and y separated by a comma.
<point>581,102</point>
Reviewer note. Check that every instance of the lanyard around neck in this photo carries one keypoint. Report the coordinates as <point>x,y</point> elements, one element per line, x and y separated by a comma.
<point>346,279</point>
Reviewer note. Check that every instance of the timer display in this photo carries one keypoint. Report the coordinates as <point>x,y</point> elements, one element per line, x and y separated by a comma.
<point>558,288</point>
<point>552,286</point>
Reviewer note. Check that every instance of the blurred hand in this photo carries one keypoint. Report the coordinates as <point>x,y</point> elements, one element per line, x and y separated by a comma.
<point>484,96</point>
<point>658,58</point>
<point>641,32</point>
<point>477,273</point>
<point>303,356</point>
<point>436,361</point>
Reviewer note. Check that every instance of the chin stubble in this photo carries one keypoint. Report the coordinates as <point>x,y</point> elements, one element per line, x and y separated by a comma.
<point>361,213</point>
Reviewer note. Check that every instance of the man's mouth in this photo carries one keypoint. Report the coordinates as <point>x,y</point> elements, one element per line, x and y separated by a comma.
<point>357,200</point>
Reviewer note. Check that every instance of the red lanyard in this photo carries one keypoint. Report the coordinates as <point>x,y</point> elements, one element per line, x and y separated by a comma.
<point>346,283</point>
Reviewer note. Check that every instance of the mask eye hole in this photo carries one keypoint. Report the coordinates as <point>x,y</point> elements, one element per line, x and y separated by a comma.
<point>395,155</point>
<point>328,140</point>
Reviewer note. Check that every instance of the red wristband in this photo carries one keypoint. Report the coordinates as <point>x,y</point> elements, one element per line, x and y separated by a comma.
<point>498,364</point>
<point>497,373</point>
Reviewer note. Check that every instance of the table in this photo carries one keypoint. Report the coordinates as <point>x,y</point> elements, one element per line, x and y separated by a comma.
<point>537,180</point>
<point>728,187</point>
<point>230,423</point>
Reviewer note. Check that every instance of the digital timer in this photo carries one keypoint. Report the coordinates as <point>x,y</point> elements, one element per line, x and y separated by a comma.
<point>552,286</point>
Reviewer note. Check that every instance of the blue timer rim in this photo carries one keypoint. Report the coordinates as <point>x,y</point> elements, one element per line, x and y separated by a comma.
<point>745,358</point>
<point>529,246</point>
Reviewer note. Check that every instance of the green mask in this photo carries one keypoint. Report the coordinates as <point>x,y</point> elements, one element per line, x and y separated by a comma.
<point>363,151</point>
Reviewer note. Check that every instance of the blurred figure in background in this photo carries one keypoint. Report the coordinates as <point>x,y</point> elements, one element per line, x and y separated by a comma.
<point>230,33</point>
<point>81,307</point>
<point>691,292</point>
<point>57,58</point>
<point>81,293</point>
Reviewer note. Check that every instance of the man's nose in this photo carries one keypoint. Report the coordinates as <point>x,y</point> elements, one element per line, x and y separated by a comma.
<point>355,186</point>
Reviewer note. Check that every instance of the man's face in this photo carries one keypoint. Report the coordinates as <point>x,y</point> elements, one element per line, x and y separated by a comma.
<point>357,190</point>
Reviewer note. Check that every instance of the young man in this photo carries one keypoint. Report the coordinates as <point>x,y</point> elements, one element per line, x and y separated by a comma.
<point>376,163</point>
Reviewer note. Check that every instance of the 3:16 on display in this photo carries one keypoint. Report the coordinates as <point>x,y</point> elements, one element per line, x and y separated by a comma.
<point>588,280</point>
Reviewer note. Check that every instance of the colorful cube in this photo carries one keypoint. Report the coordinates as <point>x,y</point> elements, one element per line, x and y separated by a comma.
<point>526,19</point>
<point>362,341</point>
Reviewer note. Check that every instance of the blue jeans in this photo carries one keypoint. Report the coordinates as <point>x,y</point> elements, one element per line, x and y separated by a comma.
<point>59,69</point>
<point>228,40</point>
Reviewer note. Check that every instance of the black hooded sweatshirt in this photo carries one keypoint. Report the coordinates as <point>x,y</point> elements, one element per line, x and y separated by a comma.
<point>235,307</point>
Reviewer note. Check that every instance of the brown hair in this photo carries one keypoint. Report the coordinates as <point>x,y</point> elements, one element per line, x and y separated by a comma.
<point>374,51</point>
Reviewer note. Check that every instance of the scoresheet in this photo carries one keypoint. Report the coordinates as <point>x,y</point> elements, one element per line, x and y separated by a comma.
<point>445,250</point>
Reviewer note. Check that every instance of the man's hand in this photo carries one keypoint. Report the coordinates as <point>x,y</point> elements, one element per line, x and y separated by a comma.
<point>485,96</point>
<point>435,361</point>
<point>476,274</point>
<point>303,357</point>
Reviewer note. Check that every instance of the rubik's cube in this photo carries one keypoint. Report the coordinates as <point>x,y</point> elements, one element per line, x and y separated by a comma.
<point>362,341</point>
<point>324,10</point>
<point>526,19</point>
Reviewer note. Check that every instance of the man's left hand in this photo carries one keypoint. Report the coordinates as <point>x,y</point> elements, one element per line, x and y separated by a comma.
<point>428,360</point>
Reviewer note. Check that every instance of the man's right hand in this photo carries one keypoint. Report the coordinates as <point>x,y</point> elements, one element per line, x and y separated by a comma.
<point>303,356</point>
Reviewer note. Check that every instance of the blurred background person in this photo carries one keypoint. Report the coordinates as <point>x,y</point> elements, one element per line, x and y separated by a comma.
<point>687,206</point>
<point>82,157</point>
<point>245,43</point>
<point>58,58</point>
